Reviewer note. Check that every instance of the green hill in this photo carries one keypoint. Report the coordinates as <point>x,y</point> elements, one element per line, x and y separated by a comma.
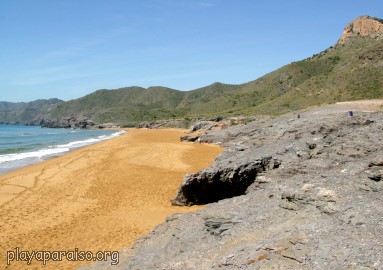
<point>26,112</point>
<point>123,105</point>
<point>350,70</point>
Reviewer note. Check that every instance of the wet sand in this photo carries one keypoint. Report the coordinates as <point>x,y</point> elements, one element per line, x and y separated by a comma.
<point>98,198</point>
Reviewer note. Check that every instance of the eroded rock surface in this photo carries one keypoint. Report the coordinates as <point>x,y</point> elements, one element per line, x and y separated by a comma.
<point>321,208</point>
<point>227,178</point>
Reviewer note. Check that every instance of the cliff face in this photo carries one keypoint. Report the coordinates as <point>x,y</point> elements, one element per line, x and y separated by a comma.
<point>364,26</point>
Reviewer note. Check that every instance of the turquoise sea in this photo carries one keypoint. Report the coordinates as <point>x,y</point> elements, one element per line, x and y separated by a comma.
<point>24,145</point>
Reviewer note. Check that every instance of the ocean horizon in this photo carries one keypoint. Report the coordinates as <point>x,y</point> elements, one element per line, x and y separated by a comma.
<point>24,145</point>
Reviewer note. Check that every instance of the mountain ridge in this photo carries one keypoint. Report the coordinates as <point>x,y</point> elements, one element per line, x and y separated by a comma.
<point>351,69</point>
<point>26,112</point>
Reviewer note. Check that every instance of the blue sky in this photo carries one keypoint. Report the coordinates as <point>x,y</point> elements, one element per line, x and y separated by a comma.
<point>70,48</point>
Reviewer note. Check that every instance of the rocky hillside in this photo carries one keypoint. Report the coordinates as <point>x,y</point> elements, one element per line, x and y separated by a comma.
<point>27,112</point>
<point>312,199</point>
<point>352,69</point>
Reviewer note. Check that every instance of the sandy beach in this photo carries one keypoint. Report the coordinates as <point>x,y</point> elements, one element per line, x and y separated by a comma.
<point>98,198</point>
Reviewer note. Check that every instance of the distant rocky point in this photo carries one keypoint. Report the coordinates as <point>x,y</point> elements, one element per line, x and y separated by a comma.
<point>27,113</point>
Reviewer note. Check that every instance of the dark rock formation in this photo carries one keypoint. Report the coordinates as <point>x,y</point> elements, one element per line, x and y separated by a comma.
<point>197,126</point>
<point>215,119</point>
<point>108,125</point>
<point>225,179</point>
<point>189,138</point>
<point>375,170</point>
<point>73,121</point>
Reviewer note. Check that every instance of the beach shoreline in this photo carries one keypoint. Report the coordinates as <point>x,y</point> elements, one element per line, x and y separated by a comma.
<point>99,197</point>
<point>21,146</point>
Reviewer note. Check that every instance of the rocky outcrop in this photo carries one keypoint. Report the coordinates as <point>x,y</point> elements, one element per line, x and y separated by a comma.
<point>107,125</point>
<point>224,179</point>
<point>364,26</point>
<point>72,121</point>
<point>189,138</point>
<point>201,125</point>
<point>321,208</point>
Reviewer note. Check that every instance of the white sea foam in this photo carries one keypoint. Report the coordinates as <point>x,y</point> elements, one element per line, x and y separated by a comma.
<point>53,150</point>
<point>33,154</point>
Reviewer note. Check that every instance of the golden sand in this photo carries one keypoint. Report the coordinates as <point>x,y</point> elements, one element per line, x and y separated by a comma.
<point>97,198</point>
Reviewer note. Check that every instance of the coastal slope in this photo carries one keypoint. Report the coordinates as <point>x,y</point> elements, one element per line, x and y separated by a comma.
<point>26,112</point>
<point>320,208</point>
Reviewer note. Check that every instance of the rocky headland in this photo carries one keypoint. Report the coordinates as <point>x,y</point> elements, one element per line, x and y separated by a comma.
<point>365,26</point>
<point>287,193</point>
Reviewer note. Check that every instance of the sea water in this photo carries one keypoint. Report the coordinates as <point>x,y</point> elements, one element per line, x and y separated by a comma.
<point>24,145</point>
